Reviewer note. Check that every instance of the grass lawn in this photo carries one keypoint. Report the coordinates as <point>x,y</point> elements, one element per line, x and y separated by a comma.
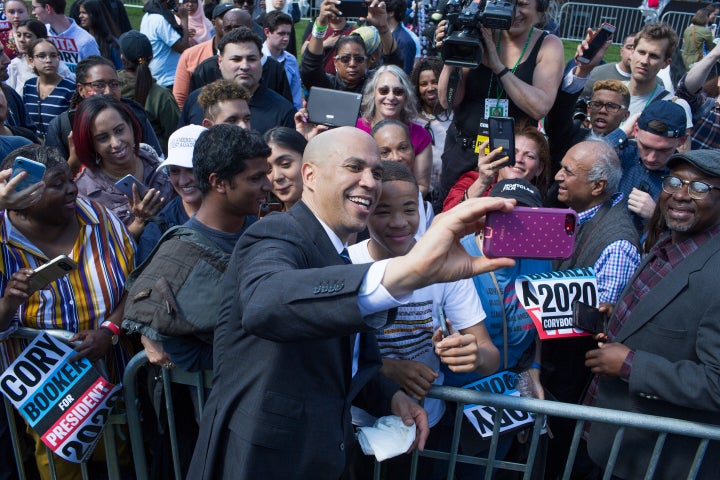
<point>612,55</point>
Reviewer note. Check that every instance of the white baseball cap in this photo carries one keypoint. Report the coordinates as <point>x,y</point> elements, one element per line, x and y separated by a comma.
<point>181,145</point>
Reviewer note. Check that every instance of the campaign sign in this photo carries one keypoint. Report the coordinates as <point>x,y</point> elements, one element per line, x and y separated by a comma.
<point>66,402</point>
<point>549,297</point>
<point>68,50</point>
<point>482,416</point>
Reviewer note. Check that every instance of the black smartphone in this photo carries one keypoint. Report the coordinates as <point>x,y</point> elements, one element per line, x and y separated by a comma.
<point>125,186</point>
<point>353,8</point>
<point>444,327</point>
<point>589,318</point>
<point>502,134</point>
<point>267,207</point>
<point>602,35</point>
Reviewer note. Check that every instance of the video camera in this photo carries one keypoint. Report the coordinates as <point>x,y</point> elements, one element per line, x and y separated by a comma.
<point>462,46</point>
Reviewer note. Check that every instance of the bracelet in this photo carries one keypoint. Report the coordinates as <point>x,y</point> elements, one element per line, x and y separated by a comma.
<point>318,31</point>
<point>502,72</point>
<point>536,366</point>
<point>111,326</point>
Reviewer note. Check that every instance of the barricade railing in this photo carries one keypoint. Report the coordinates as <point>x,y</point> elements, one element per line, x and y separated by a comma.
<point>459,397</point>
<point>679,21</point>
<point>576,18</point>
<point>17,429</point>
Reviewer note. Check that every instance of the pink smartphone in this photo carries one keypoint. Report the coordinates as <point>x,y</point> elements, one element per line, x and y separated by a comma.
<point>527,232</point>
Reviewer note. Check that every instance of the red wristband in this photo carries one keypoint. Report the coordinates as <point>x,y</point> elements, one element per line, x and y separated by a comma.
<point>111,326</point>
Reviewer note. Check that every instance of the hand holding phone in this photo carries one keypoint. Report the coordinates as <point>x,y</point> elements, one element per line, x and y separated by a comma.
<point>502,134</point>
<point>602,35</point>
<point>45,274</point>
<point>589,318</point>
<point>35,172</point>
<point>126,183</point>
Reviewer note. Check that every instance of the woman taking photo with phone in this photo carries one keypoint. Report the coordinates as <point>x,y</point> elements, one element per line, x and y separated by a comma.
<point>532,163</point>
<point>518,77</point>
<point>47,95</point>
<point>88,300</point>
<point>350,52</point>
<point>107,142</point>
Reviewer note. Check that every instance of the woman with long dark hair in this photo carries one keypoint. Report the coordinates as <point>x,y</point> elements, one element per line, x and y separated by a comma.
<point>288,147</point>
<point>139,85</point>
<point>93,17</point>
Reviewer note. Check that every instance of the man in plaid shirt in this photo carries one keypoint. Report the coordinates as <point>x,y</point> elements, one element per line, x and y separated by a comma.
<point>662,351</point>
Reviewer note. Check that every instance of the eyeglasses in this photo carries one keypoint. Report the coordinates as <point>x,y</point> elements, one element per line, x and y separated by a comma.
<point>101,85</point>
<point>43,56</point>
<point>609,106</point>
<point>397,91</point>
<point>347,58</point>
<point>696,189</point>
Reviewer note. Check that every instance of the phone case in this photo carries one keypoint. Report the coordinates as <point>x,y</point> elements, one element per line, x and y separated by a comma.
<point>605,31</point>
<point>527,232</point>
<point>588,318</point>
<point>353,8</point>
<point>51,271</point>
<point>125,186</point>
<point>502,134</point>
<point>35,170</point>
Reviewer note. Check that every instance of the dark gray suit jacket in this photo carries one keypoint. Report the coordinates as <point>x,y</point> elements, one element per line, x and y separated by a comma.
<point>675,332</point>
<point>280,403</point>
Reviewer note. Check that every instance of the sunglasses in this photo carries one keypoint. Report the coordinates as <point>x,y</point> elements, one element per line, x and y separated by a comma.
<point>347,58</point>
<point>397,91</point>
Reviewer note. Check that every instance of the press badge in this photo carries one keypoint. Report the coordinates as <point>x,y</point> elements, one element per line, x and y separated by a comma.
<point>495,107</point>
<point>483,136</point>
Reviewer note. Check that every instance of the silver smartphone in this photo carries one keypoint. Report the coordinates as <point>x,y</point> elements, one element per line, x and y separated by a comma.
<point>45,274</point>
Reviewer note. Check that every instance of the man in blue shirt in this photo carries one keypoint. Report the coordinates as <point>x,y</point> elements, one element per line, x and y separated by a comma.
<point>278,26</point>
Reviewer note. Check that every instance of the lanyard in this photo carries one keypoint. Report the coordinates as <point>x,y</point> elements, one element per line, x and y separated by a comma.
<point>500,90</point>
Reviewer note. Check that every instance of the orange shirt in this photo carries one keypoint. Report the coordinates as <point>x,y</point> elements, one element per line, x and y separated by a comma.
<point>189,60</point>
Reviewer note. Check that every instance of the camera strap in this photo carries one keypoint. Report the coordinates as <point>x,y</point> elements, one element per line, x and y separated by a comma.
<point>453,82</point>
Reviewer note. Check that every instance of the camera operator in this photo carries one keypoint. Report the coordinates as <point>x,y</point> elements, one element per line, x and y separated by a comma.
<point>519,77</point>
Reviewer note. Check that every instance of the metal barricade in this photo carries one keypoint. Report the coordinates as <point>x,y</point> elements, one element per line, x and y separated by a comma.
<point>199,380</point>
<point>679,21</point>
<point>134,3</point>
<point>583,414</point>
<point>575,18</point>
<point>541,408</point>
<point>109,432</point>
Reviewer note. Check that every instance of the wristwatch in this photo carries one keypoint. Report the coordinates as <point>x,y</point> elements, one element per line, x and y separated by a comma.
<point>114,330</point>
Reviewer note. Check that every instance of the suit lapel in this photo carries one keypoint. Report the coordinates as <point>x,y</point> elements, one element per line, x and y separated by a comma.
<point>666,290</point>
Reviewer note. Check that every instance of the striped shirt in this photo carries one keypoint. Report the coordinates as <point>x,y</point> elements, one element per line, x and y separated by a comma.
<point>81,300</point>
<point>42,111</point>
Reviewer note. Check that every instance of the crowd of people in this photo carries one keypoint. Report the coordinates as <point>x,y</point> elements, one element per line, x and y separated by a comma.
<point>310,267</point>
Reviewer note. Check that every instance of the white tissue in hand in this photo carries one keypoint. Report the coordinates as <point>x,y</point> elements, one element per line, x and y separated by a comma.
<point>388,438</point>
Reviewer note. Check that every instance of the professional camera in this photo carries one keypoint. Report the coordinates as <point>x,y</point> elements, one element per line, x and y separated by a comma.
<point>462,46</point>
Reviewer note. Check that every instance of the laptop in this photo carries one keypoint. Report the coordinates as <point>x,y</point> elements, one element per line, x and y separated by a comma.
<point>333,108</point>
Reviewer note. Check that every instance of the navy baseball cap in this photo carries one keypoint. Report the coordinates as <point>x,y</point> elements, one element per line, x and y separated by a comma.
<point>524,192</point>
<point>667,112</point>
<point>222,9</point>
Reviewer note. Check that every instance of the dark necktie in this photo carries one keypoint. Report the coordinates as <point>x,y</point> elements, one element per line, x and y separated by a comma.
<point>345,256</point>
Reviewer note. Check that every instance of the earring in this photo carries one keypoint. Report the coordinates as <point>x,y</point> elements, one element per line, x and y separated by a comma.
<point>97,159</point>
